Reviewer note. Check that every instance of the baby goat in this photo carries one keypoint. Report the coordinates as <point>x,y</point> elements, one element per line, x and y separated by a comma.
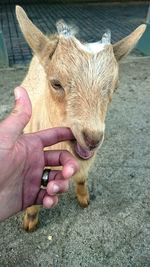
<point>71,84</point>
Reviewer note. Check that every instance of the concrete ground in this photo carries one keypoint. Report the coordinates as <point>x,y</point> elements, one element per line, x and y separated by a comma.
<point>114,231</point>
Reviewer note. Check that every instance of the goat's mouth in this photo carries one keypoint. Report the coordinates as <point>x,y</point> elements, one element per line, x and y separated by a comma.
<point>83,153</point>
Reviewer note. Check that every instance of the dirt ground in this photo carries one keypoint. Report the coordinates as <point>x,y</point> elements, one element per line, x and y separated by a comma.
<point>114,231</point>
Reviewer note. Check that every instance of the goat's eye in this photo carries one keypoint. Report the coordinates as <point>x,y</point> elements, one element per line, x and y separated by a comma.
<point>56,85</point>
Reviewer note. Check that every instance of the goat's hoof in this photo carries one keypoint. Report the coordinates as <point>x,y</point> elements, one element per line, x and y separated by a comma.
<point>30,222</point>
<point>83,201</point>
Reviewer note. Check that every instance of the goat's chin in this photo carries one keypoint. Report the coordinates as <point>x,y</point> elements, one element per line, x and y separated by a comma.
<point>82,152</point>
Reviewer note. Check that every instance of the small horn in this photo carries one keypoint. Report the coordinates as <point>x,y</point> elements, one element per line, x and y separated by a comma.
<point>106,38</point>
<point>63,28</point>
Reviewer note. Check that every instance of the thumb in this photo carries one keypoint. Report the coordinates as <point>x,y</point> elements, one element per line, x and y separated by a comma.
<point>14,124</point>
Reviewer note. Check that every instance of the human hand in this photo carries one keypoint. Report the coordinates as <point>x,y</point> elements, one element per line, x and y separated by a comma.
<point>22,161</point>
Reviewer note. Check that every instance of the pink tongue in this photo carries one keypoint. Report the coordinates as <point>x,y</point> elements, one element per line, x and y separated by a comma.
<point>83,153</point>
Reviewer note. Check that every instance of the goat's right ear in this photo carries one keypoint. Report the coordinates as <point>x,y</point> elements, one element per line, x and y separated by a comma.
<point>39,43</point>
<point>124,46</point>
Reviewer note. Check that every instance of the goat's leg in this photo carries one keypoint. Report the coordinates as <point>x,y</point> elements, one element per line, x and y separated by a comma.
<point>82,192</point>
<point>31,218</point>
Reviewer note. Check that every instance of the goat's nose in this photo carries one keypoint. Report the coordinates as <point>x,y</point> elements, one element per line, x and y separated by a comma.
<point>93,139</point>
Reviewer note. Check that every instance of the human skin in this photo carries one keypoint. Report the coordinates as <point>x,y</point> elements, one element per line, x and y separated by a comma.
<point>22,160</point>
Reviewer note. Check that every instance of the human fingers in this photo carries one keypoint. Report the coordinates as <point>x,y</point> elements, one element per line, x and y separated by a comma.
<point>56,183</point>
<point>54,135</point>
<point>49,201</point>
<point>62,158</point>
<point>14,124</point>
<point>46,200</point>
<point>57,187</point>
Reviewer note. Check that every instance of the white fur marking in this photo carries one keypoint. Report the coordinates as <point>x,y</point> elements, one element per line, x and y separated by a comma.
<point>93,47</point>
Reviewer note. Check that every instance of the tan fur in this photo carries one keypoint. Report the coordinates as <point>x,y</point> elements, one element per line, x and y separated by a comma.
<point>88,80</point>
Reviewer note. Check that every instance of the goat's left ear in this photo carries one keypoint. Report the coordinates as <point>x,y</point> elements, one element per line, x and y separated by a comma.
<point>124,46</point>
<point>41,45</point>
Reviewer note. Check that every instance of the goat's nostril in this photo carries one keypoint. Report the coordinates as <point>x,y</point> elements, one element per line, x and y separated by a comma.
<point>93,140</point>
<point>92,146</point>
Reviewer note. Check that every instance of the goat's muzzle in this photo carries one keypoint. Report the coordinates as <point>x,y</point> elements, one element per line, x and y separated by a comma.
<point>92,142</point>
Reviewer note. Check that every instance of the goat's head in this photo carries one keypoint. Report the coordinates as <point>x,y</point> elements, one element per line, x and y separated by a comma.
<point>81,77</point>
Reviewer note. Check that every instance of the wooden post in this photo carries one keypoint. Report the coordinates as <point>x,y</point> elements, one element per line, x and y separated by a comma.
<point>4,62</point>
<point>144,43</point>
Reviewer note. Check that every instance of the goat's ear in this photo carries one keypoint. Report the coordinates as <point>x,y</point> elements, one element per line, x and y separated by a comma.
<point>124,46</point>
<point>38,42</point>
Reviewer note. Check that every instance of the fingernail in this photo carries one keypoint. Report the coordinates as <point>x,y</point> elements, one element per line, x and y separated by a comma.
<point>48,202</point>
<point>70,171</point>
<point>17,93</point>
<point>56,188</point>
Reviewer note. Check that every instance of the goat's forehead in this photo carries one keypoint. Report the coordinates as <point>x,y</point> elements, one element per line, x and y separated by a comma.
<point>83,69</point>
<point>73,53</point>
<point>75,56</point>
<point>73,44</point>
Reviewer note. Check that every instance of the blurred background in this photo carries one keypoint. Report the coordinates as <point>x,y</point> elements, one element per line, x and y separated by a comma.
<point>92,18</point>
